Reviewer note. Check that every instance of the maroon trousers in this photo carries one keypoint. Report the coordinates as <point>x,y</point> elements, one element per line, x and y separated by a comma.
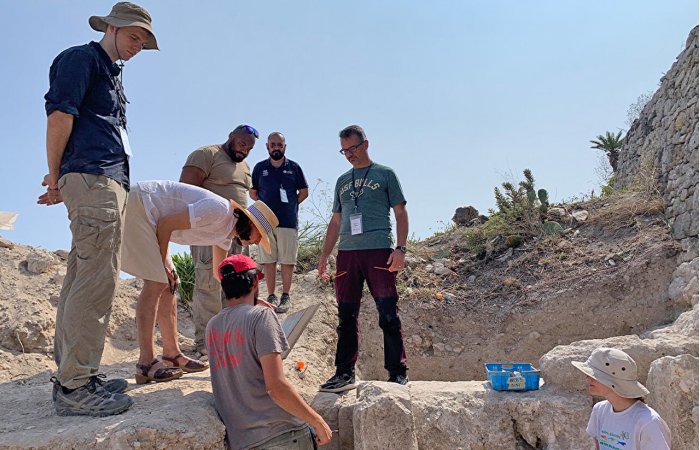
<point>354,267</point>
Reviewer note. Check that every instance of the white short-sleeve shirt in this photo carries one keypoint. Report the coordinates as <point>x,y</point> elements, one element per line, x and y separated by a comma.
<point>211,216</point>
<point>638,427</point>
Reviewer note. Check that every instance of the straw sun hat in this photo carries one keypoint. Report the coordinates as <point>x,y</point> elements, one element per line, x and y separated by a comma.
<point>615,369</point>
<point>126,14</point>
<point>264,219</point>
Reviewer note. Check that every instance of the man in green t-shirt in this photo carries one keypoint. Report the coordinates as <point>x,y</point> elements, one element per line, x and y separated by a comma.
<point>363,197</point>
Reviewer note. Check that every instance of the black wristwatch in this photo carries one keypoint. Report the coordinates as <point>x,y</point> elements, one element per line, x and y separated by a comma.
<point>402,248</point>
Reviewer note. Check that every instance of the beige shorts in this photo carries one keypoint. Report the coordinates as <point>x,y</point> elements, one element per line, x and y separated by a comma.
<point>284,244</point>
<point>140,252</point>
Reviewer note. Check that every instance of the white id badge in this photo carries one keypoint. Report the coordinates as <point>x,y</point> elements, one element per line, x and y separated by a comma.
<point>356,223</point>
<point>283,195</point>
<point>125,141</point>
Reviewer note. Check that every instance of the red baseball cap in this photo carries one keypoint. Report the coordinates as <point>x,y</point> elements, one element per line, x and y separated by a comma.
<point>240,263</point>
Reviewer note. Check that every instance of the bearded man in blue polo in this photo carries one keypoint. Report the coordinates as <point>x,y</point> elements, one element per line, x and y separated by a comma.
<point>280,183</point>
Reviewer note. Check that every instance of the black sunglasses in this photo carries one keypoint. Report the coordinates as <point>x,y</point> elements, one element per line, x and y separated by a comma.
<point>351,149</point>
<point>248,129</point>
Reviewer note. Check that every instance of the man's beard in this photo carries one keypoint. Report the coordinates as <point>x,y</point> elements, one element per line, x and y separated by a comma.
<point>236,158</point>
<point>232,154</point>
<point>276,155</point>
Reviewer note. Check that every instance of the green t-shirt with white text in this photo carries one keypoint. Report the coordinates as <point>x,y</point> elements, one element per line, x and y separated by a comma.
<point>377,190</point>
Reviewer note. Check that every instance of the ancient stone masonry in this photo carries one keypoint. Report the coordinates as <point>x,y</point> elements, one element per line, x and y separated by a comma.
<point>663,143</point>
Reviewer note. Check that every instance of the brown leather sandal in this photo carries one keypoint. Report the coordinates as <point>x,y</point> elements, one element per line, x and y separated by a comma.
<point>191,366</point>
<point>157,371</point>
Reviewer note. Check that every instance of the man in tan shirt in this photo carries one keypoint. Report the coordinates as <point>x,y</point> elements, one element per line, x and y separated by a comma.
<point>222,170</point>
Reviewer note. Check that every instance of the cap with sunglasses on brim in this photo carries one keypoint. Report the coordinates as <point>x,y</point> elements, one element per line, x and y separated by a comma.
<point>247,129</point>
<point>615,369</point>
<point>126,14</point>
<point>240,263</point>
<point>263,218</point>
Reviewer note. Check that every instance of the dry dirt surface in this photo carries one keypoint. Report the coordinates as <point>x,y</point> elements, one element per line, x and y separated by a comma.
<point>605,276</point>
<point>179,414</point>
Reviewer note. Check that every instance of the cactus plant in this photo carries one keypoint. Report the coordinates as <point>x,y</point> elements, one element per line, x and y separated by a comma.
<point>531,196</point>
<point>552,228</point>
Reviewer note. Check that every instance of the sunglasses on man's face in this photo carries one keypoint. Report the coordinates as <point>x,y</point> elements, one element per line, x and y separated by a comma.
<point>248,129</point>
<point>351,149</point>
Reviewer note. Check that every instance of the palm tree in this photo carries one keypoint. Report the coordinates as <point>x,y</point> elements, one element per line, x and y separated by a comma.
<point>611,145</point>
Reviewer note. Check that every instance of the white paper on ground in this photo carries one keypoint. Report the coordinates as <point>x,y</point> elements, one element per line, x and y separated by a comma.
<point>7,220</point>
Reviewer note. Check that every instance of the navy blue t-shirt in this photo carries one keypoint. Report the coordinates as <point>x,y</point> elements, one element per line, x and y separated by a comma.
<point>84,82</point>
<point>267,180</point>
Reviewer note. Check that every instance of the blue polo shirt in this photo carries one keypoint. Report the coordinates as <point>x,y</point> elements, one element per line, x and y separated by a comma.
<point>267,180</point>
<point>84,82</point>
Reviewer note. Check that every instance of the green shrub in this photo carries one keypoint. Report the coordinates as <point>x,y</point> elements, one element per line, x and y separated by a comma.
<point>522,208</point>
<point>311,235</point>
<point>608,189</point>
<point>185,270</point>
<point>314,215</point>
<point>521,213</point>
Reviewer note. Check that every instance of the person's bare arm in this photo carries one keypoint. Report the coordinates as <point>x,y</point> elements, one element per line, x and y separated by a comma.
<point>302,195</point>
<point>397,258</point>
<point>253,194</point>
<point>59,126</point>
<point>332,233</point>
<point>164,229</point>
<point>193,175</point>
<point>218,255</point>
<point>597,447</point>
<point>283,393</point>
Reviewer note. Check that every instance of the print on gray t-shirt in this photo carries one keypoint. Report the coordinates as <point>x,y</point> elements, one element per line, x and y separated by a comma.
<point>236,339</point>
<point>376,195</point>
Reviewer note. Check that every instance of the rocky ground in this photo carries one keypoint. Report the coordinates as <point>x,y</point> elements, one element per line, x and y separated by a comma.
<point>605,281</point>
<point>460,311</point>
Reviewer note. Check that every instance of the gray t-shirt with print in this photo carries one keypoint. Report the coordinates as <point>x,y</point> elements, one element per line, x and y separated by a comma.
<point>376,189</point>
<point>236,339</point>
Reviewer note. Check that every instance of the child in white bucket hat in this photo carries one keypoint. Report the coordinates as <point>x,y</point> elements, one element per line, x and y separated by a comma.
<point>622,420</point>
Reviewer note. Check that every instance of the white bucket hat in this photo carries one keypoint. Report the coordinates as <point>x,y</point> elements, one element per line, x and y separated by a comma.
<point>615,369</point>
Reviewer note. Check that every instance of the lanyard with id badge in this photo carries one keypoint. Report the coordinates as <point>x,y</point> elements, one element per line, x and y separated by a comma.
<point>121,112</point>
<point>356,217</point>
<point>275,174</point>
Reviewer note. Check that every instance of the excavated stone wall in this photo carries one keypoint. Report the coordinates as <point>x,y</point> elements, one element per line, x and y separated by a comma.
<point>663,144</point>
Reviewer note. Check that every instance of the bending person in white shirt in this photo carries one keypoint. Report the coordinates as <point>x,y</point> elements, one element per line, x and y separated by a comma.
<point>160,212</point>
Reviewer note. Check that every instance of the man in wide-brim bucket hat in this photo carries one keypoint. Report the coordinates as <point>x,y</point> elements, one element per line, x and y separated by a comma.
<point>126,14</point>
<point>88,156</point>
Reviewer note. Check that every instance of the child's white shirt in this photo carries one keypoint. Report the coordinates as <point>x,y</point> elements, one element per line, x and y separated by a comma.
<point>637,428</point>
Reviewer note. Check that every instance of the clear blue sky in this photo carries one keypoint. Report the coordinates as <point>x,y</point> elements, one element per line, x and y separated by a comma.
<point>454,95</point>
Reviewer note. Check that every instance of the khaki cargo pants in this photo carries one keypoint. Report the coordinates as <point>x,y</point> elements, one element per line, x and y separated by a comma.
<point>96,206</point>
<point>207,297</point>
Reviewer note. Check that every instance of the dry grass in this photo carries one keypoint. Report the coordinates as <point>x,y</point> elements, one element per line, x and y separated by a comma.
<point>621,210</point>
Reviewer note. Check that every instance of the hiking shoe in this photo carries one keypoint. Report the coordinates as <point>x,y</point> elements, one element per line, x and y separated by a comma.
<point>90,400</point>
<point>339,382</point>
<point>399,379</point>
<point>272,299</point>
<point>113,386</point>
<point>284,305</point>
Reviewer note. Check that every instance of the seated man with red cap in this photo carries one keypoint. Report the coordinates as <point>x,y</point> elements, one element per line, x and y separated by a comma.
<point>256,402</point>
